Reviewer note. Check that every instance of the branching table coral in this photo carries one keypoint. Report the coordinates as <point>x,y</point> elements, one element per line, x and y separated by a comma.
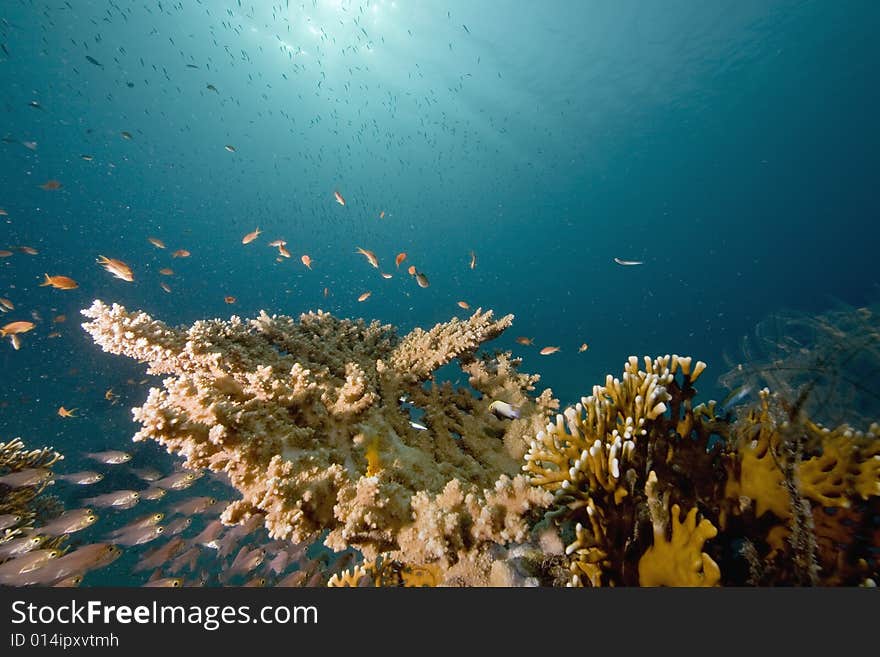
<point>312,422</point>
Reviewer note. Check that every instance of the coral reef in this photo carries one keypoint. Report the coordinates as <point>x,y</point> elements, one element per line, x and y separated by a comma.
<point>780,499</point>
<point>336,428</point>
<point>23,501</point>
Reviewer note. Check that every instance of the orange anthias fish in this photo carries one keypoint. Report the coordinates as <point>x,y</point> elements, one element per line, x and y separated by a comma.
<point>166,271</point>
<point>583,347</point>
<point>370,256</point>
<point>181,253</point>
<point>400,258</point>
<point>14,328</point>
<point>339,198</point>
<point>250,237</point>
<point>364,296</point>
<point>155,241</point>
<point>6,253</point>
<point>546,351</point>
<point>229,299</point>
<point>277,242</point>
<point>116,267</point>
<point>6,303</point>
<point>307,261</point>
<point>464,305</point>
<point>65,412</point>
<point>59,282</point>
<point>412,270</point>
<point>51,185</point>
<point>282,251</point>
<point>28,249</point>
<point>525,341</point>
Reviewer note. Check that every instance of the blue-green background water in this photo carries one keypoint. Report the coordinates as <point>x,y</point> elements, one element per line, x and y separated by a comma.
<point>731,146</point>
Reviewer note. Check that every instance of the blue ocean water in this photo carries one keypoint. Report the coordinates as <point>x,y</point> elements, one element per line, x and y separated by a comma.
<point>731,147</point>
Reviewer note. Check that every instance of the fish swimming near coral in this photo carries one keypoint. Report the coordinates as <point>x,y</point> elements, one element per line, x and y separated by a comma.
<point>503,410</point>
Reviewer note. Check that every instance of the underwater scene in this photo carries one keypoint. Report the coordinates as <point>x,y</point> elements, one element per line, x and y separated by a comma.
<point>460,293</point>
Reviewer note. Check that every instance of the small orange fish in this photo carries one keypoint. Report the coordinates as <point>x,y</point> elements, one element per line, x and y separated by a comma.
<point>6,303</point>
<point>400,258</point>
<point>13,328</point>
<point>229,299</point>
<point>51,185</point>
<point>59,319</point>
<point>277,242</point>
<point>464,305</point>
<point>412,270</point>
<point>181,253</point>
<point>364,296</point>
<point>109,395</point>
<point>155,241</point>
<point>525,341</point>
<point>546,351</point>
<point>166,271</point>
<point>165,287</point>
<point>6,254</point>
<point>370,256</point>
<point>473,262</point>
<point>583,347</point>
<point>116,267</point>
<point>307,261</point>
<point>53,334</point>
<point>64,412</point>
<point>28,249</point>
<point>339,198</point>
<point>59,282</point>
<point>250,237</point>
<point>282,250</point>
<point>382,214</point>
<point>422,280</point>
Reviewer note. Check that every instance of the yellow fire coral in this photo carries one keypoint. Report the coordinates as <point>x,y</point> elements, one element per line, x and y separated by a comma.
<point>677,560</point>
<point>782,499</point>
<point>336,426</point>
<point>384,571</point>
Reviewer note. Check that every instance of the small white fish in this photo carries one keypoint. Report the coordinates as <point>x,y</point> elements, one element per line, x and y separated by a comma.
<point>178,480</point>
<point>628,263</point>
<point>8,520</point>
<point>417,426</point>
<point>69,522</point>
<point>83,478</point>
<point>503,410</point>
<point>110,457</point>
<point>28,477</point>
<point>120,499</point>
